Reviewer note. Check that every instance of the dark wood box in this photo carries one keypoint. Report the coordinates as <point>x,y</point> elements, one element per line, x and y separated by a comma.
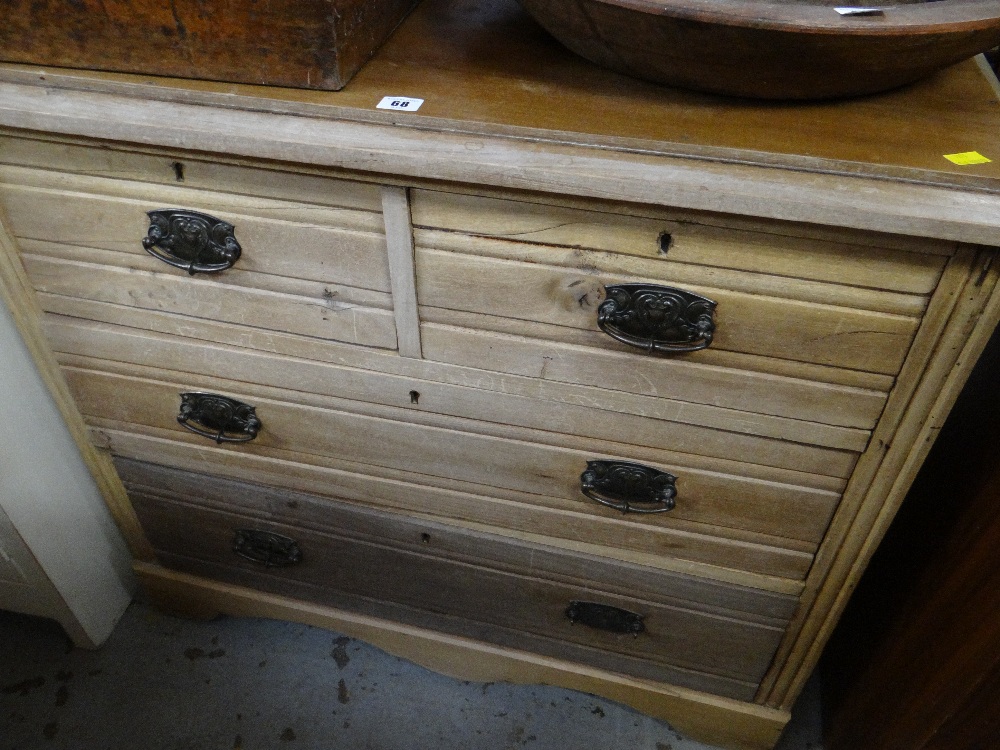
<point>314,44</point>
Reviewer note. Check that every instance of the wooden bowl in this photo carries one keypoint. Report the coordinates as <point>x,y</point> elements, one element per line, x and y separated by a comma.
<point>775,49</point>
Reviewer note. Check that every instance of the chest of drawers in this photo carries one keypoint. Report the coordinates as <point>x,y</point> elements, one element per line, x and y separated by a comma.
<point>514,402</point>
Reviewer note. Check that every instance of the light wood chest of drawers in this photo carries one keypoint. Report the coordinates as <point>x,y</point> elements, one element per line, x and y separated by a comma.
<point>414,316</point>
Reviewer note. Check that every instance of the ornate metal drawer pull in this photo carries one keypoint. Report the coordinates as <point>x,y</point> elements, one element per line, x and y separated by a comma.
<point>629,487</point>
<point>605,617</point>
<point>266,548</point>
<point>221,418</point>
<point>196,242</point>
<point>657,318</point>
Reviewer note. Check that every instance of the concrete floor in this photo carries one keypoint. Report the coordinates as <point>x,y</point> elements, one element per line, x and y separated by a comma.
<point>161,683</point>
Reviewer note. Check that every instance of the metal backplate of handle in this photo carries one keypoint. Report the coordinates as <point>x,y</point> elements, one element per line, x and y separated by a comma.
<point>196,242</point>
<point>629,487</point>
<point>267,548</point>
<point>605,617</point>
<point>657,318</point>
<point>223,419</point>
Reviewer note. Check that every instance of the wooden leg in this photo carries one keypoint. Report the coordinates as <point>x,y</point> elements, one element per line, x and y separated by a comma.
<point>177,601</point>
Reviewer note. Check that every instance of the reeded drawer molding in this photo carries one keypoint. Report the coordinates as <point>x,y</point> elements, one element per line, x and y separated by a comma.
<point>799,251</point>
<point>302,184</point>
<point>488,412</point>
<point>338,245</point>
<point>744,322</point>
<point>479,347</point>
<point>666,377</point>
<point>216,337</point>
<point>312,310</point>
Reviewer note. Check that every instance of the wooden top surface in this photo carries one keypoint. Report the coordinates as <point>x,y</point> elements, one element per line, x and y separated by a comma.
<point>489,68</point>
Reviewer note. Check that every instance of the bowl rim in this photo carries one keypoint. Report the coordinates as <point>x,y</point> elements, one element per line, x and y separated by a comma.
<point>934,16</point>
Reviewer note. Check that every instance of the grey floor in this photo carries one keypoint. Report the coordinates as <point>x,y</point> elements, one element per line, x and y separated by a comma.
<point>161,683</point>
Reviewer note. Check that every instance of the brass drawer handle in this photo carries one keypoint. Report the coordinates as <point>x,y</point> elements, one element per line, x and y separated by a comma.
<point>221,418</point>
<point>605,617</point>
<point>657,318</point>
<point>267,548</point>
<point>196,242</point>
<point>629,487</point>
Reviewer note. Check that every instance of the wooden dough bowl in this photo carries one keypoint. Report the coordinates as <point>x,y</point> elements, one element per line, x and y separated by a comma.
<point>781,49</point>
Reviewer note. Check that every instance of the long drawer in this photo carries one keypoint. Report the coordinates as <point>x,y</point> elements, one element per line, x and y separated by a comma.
<point>694,633</point>
<point>757,524</point>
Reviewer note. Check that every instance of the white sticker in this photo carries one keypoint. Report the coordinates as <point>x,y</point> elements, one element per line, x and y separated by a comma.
<point>859,11</point>
<point>400,103</point>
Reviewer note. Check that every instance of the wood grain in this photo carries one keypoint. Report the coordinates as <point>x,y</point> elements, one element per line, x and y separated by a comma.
<point>305,43</point>
<point>740,183</point>
<point>518,517</point>
<point>495,70</point>
<point>660,377</point>
<point>177,168</point>
<point>321,316</point>
<point>351,553</point>
<point>485,411</point>
<point>975,310</point>
<point>934,589</point>
<point>799,50</point>
<point>789,251</point>
<point>284,239</point>
<point>402,531</point>
<point>344,355</point>
<point>492,464</point>
<point>745,322</point>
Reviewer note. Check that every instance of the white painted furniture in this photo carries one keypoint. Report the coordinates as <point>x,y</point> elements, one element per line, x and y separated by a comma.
<point>61,555</point>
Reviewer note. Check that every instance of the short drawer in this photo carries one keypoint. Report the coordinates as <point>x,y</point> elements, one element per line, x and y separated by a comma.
<point>760,524</point>
<point>317,270</point>
<point>547,298</point>
<point>315,241</point>
<point>694,633</point>
<point>806,323</point>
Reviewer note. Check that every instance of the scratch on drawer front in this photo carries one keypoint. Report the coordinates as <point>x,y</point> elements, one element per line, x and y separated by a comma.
<point>331,303</point>
<point>985,270</point>
<point>545,366</point>
<point>529,232</point>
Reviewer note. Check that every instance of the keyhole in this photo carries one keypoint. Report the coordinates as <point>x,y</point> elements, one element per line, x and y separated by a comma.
<point>665,241</point>
<point>425,538</point>
<point>414,397</point>
<point>178,171</point>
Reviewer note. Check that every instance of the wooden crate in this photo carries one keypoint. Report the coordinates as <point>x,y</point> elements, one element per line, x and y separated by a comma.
<point>313,44</point>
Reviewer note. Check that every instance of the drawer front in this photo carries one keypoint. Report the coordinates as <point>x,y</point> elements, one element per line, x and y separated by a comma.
<point>694,633</point>
<point>677,378</point>
<point>315,270</point>
<point>184,169</point>
<point>716,433</point>
<point>744,322</point>
<point>283,238</point>
<point>858,259</point>
<point>806,327</point>
<point>243,300</point>
<point>775,526</point>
